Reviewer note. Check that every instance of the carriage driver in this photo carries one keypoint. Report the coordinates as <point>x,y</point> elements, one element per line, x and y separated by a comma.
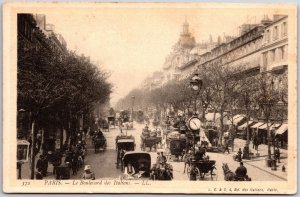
<point>241,171</point>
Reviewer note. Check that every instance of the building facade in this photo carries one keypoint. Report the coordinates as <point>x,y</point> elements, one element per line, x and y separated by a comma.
<point>274,54</point>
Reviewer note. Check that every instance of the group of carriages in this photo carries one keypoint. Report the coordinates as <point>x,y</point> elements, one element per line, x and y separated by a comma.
<point>138,164</point>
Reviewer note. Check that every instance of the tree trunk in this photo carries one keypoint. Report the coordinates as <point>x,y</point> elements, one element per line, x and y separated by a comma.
<point>221,127</point>
<point>61,140</point>
<point>32,150</point>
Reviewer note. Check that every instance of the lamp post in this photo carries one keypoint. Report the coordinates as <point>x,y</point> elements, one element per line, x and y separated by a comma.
<point>246,152</point>
<point>132,97</point>
<point>196,85</point>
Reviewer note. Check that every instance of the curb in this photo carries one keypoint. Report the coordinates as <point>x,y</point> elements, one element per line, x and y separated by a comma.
<point>280,177</point>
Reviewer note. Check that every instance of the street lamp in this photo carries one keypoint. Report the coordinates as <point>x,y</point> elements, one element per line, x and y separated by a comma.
<point>196,85</point>
<point>132,97</point>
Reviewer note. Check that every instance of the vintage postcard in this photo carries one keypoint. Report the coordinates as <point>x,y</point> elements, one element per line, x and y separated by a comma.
<point>186,98</point>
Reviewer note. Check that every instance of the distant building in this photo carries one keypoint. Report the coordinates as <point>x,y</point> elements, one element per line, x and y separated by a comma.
<point>184,54</point>
<point>275,46</point>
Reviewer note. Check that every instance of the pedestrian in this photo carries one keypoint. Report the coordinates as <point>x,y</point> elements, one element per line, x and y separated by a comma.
<point>39,163</point>
<point>158,158</point>
<point>74,165</point>
<point>39,175</point>
<point>277,155</point>
<point>239,155</point>
<point>45,166</point>
<point>56,162</point>
<point>226,147</point>
<point>88,174</point>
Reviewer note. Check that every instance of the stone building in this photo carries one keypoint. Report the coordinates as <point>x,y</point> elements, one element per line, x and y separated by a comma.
<point>275,47</point>
<point>179,55</point>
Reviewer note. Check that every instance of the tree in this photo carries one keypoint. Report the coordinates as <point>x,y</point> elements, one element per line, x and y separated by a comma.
<point>223,84</point>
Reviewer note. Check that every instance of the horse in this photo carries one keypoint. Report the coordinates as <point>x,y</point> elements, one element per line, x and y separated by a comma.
<point>187,160</point>
<point>228,174</point>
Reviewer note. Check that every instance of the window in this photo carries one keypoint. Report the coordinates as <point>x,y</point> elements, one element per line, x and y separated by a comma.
<point>265,60</point>
<point>275,33</point>
<point>284,53</point>
<point>283,29</point>
<point>268,36</point>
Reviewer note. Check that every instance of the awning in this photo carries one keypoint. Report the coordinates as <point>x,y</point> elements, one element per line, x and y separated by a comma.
<point>275,126</point>
<point>265,126</point>
<point>257,125</point>
<point>283,128</point>
<point>236,116</point>
<point>210,116</point>
<point>243,126</point>
<point>238,119</point>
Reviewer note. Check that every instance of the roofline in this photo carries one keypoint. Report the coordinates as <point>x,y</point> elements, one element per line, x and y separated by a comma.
<point>277,21</point>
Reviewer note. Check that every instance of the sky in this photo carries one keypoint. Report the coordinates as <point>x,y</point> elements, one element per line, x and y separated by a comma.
<point>132,43</point>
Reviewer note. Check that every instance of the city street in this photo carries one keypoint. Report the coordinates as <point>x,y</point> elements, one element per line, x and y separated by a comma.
<point>103,163</point>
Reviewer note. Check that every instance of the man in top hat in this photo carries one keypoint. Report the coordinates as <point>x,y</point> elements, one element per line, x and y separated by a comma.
<point>88,174</point>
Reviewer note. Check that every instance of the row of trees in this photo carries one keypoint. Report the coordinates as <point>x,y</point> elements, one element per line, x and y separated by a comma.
<point>226,90</point>
<point>57,88</point>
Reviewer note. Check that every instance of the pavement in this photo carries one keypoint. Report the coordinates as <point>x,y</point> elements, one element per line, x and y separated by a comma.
<point>103,163</point>
<point>259,161</point>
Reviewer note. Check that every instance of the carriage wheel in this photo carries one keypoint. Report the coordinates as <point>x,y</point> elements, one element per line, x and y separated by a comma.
<point>214,174</point>
<point>188,170</point>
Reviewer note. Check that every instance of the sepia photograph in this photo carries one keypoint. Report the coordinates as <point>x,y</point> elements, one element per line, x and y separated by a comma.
<point>150,98</point>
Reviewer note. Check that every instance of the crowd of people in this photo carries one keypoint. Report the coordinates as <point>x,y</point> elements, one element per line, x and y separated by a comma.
<point>74,153</point>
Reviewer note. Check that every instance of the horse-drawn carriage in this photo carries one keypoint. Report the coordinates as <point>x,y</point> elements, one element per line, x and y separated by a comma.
<point>99,141</point>
<point>123,144</point>
<point>201,168</point>
<point>140,161</point>
<point>177,147</point>
<point>140,116</point>
<point>176,144</point>
<point>150,139</point>
<point>112,121</point>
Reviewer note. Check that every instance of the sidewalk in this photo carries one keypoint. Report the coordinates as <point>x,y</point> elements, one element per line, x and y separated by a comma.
<point>259,161</point>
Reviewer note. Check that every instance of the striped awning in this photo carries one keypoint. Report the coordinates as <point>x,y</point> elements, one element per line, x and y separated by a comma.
<point>283,128</point>
<point>275,126</point>
<point>255,126</point>
<point>243,126</point>
<point>265,126</point>
<point>238,119</point>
